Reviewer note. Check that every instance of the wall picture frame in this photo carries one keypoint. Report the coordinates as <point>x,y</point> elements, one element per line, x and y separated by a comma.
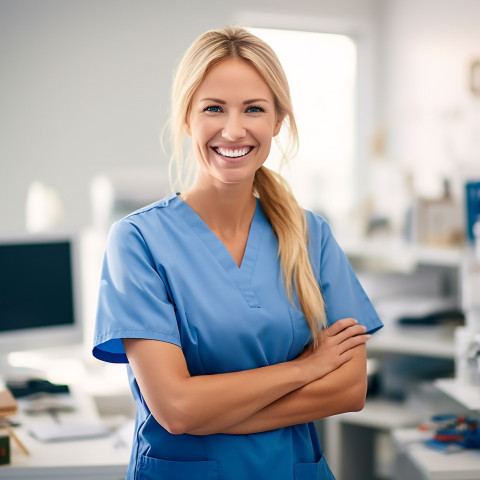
<point>475,76</point>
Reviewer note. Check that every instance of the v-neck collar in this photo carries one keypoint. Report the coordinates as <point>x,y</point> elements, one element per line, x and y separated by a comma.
<point>240,275</point>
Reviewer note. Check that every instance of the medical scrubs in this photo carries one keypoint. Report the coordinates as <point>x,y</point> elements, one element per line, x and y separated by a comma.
<point>167,277</point>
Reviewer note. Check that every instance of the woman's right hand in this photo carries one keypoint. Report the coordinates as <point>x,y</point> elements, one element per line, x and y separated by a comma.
<point>334,348</point>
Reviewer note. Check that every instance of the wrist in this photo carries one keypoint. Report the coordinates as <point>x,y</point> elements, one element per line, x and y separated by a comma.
<point>303,371</point>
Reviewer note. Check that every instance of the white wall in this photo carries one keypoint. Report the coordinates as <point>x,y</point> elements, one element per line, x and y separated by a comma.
<point>431,118</point>
<point>85,84</point>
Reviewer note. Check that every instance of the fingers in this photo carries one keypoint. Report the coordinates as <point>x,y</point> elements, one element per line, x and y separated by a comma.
<point>352,337</point>
<point>353,342</point>
<point>356,342</point>
<point>340,325</point>
<point>336,345</point>
<point>344,328</point>
<point>345,334</point>
<point>351,332</point>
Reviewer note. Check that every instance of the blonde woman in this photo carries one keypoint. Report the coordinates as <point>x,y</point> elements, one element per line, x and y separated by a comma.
<point>239,317</point>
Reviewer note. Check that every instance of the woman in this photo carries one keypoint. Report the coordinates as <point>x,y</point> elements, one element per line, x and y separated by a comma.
<point>240,318</point>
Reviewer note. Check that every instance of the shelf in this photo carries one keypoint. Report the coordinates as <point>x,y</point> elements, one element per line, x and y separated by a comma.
<point>400,255</point>
<point>433,464</point>
<point>381,414</point>
<point>466,395</point>
<point>424,341</point>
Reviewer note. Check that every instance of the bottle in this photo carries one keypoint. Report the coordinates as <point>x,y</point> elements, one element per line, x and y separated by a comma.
<point>476,239</point>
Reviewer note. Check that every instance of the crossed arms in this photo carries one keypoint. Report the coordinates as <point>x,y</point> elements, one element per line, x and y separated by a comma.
<point>322,381</point>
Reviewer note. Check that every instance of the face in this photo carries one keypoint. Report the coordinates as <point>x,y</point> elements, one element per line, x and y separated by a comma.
<point>231,122</point>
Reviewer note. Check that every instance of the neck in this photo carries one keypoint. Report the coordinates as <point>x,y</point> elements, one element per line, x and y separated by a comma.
<point>224,209</point>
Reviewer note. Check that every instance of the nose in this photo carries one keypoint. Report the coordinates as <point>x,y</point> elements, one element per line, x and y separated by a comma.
<point>233,128</point>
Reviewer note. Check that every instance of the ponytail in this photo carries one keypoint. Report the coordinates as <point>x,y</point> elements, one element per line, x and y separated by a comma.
<point>289,223</point>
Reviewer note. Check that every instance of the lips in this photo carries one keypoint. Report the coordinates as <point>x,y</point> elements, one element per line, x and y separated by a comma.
<point>237,152</point>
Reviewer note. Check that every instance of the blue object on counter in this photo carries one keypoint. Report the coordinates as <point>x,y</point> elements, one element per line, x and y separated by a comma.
<point>454,433</point>
<point>472,200</point>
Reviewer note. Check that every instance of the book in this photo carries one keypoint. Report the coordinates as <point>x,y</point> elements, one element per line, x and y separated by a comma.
<point>8,404</point>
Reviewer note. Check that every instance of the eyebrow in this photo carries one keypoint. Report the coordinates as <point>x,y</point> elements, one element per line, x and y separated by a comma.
<point>222,102</point>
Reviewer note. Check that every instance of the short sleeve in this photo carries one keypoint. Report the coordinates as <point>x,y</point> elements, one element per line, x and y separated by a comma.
<point>133,300</point>
<point>343,294</point>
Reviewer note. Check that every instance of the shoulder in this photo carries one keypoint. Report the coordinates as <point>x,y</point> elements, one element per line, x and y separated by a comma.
<point>318,227</point>
<point>152,215</point>
<point>150,221</point>
<point>160,208</point>
<point>322,244</point>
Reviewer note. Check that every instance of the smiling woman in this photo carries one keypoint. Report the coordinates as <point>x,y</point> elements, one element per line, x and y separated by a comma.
<point>215,296</point>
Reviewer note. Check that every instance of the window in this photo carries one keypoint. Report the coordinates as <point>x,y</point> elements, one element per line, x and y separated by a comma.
<point>322,72</point>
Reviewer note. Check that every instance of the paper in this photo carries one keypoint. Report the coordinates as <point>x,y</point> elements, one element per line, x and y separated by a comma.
<point>52,432</point>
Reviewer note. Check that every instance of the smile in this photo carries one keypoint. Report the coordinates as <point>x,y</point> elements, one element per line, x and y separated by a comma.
<point>233,152</point>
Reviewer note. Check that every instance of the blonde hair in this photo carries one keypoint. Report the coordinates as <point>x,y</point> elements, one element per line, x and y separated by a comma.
<point>280,206</point>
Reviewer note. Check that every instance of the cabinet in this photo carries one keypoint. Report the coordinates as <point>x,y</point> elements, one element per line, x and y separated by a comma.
<point>410,359</point>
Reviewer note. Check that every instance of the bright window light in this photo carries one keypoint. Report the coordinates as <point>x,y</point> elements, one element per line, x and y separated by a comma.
<point>322,73</point>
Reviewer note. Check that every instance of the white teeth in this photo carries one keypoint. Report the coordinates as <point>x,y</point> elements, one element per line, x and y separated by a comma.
<point>237,152</point>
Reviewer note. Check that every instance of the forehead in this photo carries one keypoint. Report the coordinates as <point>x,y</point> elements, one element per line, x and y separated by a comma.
<point>233,77</point>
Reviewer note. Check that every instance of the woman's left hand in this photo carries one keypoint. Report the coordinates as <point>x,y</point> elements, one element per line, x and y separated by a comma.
<point>334,347</point>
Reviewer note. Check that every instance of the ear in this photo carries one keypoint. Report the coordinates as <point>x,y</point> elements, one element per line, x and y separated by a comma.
<point>187,128</point>
<point>278,125</point>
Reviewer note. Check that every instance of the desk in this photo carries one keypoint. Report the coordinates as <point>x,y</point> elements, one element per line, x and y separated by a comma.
<point>103,458</point>
<point>353,436</point>
<point>415,461</point>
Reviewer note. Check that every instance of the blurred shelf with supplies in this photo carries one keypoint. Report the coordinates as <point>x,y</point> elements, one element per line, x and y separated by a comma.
<point>417,291</point>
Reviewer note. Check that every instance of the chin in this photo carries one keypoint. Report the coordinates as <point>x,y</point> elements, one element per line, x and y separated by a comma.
<point>234,176</point>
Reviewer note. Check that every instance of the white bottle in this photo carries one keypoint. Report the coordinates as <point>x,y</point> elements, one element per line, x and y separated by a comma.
<point>476,236</point>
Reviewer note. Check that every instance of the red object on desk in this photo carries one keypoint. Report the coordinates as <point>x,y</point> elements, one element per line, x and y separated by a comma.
<point>4,450</point>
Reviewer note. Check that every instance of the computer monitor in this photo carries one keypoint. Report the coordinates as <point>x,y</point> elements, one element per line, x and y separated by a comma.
<point>39,293</point>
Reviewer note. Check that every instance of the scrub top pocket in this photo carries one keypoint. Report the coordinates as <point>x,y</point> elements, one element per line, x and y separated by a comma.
<point>313,471</point>
<point>151,468</point>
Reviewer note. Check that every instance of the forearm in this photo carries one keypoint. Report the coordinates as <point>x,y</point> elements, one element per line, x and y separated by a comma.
<point>340,391</point>
<point>211,403</point>
<point>217,402</point>
<point>207,404</point>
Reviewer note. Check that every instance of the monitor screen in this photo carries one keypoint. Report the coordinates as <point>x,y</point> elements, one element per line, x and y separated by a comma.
<point>38,292</point>
<point>35,285</point>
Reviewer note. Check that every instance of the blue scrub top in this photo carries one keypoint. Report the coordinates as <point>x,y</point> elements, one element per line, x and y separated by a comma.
<point>167,277</point>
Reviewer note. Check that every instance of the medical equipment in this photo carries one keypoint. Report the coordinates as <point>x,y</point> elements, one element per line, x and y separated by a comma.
<point>452,432</point>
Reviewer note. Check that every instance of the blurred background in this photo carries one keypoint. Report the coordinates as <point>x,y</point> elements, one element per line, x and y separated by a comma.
<point>85,90</point>
<point>387,98</point>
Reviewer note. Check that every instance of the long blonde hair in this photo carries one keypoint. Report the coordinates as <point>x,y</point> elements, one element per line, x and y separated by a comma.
<point>280,206</point>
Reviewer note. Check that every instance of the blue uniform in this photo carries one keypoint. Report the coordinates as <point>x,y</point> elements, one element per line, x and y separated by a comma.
<point>167,277</point>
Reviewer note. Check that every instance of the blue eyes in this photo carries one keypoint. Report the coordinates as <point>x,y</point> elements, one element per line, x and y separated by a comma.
<point>255,109</point>
<point>216,109</point>
<point>212,109</point>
